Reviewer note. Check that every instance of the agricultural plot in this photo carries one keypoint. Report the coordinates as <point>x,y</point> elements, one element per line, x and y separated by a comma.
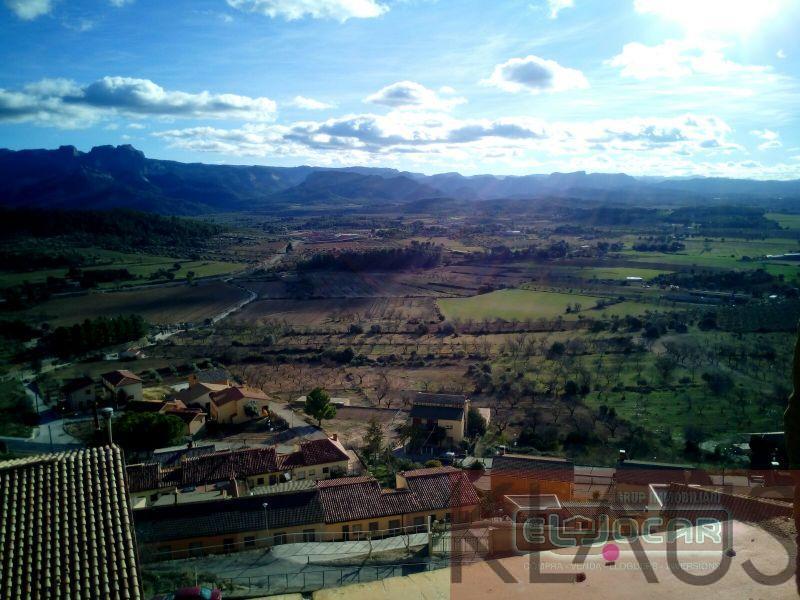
<point>528,304</point>
<point>336,312</point>
<point>140,265</point>
<point>158,305</point>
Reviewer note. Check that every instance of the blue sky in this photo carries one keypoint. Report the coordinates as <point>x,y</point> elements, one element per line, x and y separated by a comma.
<point>648,87</point>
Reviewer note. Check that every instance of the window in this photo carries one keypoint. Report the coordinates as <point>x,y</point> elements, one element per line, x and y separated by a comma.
<point>419,521</point>
<point>448,517</point>
<point>309,535</point>
<point>228,544</point>
<point>164,552</point>
<point>301,475</point>
<point>249,541</point>
<point>273,479</point>
<point>358,530</point>
<point>260,481</point>
<point>373,527</point>
<point>325,469</point>
<point>312,472</point>
<point>280,538</point>
<point>394,526</point>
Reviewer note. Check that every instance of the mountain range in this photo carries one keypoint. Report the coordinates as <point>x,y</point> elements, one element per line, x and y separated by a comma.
<point>121,176</point>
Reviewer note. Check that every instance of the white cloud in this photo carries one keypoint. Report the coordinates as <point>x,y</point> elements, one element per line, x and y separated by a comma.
<point>309,103</point>
<point>409,94</point>
<point>119,3</point>
<point>340,10</point>
<point>781,54</point>
<point>699,17</point>
<point>29,9</point>
<point>556,6</point>
<point>136,126</point>
<point>678,58</point>
<point>434,136</point>
<point>535,75</point>
<point>771,139</point>
<point>64,103</point>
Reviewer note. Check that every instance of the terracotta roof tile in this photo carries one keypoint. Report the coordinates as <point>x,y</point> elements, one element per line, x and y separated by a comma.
<point>121,377</point>
<point>533,467</point>
<point>226,465</point>
<point>441,487</point>
<point>317,452</point>
<point>66,529</point>
<point>233,394</point>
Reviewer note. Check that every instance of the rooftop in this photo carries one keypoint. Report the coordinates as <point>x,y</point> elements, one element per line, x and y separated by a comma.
<point>121,377</point>
<point>233,394</point>
<point>534,467</point>
<point>66,527</point>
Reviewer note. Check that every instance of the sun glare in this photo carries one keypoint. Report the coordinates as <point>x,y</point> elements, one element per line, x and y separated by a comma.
<point>738,17</point>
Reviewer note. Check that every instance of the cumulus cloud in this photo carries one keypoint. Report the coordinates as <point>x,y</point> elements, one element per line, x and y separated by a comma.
<point>340,10</point>
<point>535,75</point>
<point>64,103</point>
<point>770,139</point>
<point>430,136</point>
<point>309,103</point>
<point>29,9</point>
<point>556,6</point>
<point>678,58</point>
<point>409,94</point>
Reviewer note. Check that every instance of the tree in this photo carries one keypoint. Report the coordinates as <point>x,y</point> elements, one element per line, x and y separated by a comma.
<point>373,439</point>
<point>476,424</point>
<point>190,275</point>
<point>148,431</point>
<point>318,405</point>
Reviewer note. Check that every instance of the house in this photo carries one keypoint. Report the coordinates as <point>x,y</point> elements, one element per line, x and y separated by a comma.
<point>132,354</point>
<point>193,419</point>
<point>122,385</point>
<point>317,459</point>
<point>356,507</point>
<point>198,395</point>
<point>228,525</point>
<point>78,393</point>
<point>236,405</point>
<point>67,530</point>
<point>442,416</point>
<point>335,509</point>
<point>520,474</point>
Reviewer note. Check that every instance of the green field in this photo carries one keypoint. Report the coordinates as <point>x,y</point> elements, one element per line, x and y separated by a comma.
<point>529,304</point>
<point>785,220</point>
<point>141,265</point>
<point>616,273</point>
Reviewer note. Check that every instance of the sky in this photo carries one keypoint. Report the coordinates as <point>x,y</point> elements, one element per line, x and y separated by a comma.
<point>510,87</point>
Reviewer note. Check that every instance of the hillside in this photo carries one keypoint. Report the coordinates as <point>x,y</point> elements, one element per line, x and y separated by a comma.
<point>122,177</point>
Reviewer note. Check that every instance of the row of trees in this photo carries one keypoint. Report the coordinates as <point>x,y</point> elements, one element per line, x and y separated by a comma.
<point>94,334</point>
<point>416,256</point>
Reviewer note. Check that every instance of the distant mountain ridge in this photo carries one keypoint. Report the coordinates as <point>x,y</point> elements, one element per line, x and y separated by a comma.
<point>121,176</point>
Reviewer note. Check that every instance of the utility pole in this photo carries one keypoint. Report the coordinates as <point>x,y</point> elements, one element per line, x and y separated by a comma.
<point>266,519</point>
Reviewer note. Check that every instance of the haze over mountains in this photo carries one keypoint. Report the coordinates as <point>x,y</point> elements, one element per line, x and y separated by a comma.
<point>121,176</point>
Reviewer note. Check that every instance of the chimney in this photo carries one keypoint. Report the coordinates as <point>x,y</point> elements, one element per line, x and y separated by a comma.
<point>622,456</point>
<point>107,413</point>
<point>335,437</point>
<point>234,487</point>
<point>190,444</point>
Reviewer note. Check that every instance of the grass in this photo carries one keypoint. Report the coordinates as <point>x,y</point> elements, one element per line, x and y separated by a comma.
<point>141,265</point>
<point>616,273</point>
<point>528,304</point>
<point>785,220</point>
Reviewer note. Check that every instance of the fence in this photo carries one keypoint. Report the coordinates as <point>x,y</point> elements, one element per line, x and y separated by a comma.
<point>313,580</point>
<point>310,543</point>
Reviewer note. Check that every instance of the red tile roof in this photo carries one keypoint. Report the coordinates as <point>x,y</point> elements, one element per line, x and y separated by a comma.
<point>317,452</point>
<point>66,528</point>
<point>441,487</point>
<point>232,394</point>
<point>121,377</point>
<point>533,467</point>
<point>223,466</point>
<point>355,498</point>
<point>187,415</point>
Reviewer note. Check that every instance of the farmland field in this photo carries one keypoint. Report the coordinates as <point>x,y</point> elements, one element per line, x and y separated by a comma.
<point>159,305</point>
<point>527,304</point>
<point>139,265</point>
